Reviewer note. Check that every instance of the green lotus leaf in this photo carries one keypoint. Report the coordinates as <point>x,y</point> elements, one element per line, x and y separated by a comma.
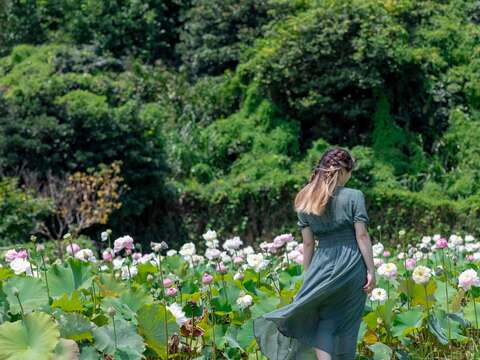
<point>68,277</point>
<point>67,350</point>
<point>441,296</point>
<point>472,314</point>
<point>31,292</point>
<point>439,325</point>
<point>406,322</point>
<point>5,273</point>
<point>381,351</point>
<point>124,337</point>
<point>151,325</point>
<point>74,326</point>
<point>69,303</point>
<point>109,286</point>
<point>89,353</point>
<point>34,337</point>
<point>128,303</point>
<point>263,305</point>
<point>244,335</point>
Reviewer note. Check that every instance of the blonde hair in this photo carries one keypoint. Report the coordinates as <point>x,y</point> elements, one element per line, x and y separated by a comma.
<point>314,197</point>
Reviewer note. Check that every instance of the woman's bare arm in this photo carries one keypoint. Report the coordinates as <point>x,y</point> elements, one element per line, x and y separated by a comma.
<point>365,246</point>
<point>308,246</point>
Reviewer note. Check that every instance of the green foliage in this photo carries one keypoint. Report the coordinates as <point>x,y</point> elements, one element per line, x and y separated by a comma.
<point>216,31</point>
<point>227,126</point>
<point>73,111</point>
<point>20,211</point>
<point>34,337</point>
<point>148,29</point>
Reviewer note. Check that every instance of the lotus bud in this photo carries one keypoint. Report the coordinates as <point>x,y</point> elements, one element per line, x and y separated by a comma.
<point>15,291</point>
<point>111,311</point>
<point>33,238</point>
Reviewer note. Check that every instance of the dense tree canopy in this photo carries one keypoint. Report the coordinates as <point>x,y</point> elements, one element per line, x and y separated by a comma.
<point>219,109</point>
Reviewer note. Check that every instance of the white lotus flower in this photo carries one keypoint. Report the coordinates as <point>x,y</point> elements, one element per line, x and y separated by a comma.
<point>247,250</point>
<point>292,245</point>
<point>232,244</point>
<point>469,238</point>
<point>19,266</point>
<point>421,274</point>
<point>210,235</point>
<point>378,294</point>
<point>85,255</point>
<point>212,253</point>
<point>455,240</point>
<point>257,261</point>
<point>225,257</point>
<point>426,240</point>
<point>388,270</point>
<point>377,249</point>
<point>187,249</point>
<point>129,270</point>
<point>244,301</point>
<point>118,262</point>
<point>172,252</point>
<point>178,313</point>
<point>104,235</point>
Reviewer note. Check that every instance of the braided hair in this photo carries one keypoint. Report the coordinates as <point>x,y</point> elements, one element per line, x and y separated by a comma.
<point>313,197</point>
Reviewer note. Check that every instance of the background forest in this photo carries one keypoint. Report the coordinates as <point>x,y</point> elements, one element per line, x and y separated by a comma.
<point>187,115</point>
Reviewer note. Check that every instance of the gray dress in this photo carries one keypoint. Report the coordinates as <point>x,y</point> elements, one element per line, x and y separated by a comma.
<point>327,310</point>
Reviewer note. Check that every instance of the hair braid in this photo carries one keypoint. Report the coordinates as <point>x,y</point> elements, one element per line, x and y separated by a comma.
<point>315,195</point>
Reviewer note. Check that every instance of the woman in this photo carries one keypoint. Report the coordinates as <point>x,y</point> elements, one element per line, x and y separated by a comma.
<point>323,320</point>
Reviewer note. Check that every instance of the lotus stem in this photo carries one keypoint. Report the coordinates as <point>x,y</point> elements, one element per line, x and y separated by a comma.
<point>17,295</point>
<point>114,332</point>
<point>45,274</point>
<point>408,290</point>
<point>213,321</point>
<point>191,333</point>
<point>160,273</point>
<point>446,294</point>
<point>475,310</point>
<point>426,299</point>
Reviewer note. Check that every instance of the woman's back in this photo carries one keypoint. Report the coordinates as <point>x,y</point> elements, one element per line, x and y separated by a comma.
<point>346,207</point>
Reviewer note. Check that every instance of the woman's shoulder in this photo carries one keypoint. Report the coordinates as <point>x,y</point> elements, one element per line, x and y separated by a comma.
<point>349,191</point>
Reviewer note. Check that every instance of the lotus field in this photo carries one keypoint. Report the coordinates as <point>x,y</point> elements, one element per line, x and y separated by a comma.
<point>167,304</point>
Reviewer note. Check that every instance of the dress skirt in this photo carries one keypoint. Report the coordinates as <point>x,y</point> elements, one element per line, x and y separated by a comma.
<point>327,310</point>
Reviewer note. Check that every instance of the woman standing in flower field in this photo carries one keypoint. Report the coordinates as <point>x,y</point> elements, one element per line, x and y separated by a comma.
<point>323,320</point>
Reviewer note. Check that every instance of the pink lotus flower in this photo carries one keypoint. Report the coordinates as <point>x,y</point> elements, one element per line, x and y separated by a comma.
<point>468,278</point>
<point>410,264</point>
<point>300,248</point>
<point>386,253</point>
<point>238,260</point>
<point>11,255</point>
<point>221,268</point>
<point>73,248</point>
<point>299,259</point>
<point>377,261</point>
<point>441,243</point>
<point>124,242</point>
<point>136,256</point>
<point>167,282</point>
<point>171,291</point>
<point>207,278</point>
<point>282,239</point>
<point>470,257</point>
<point>271,248</point>
<point>107,255</point>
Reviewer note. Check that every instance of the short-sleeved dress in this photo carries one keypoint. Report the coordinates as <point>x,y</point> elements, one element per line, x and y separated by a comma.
<point>327,310</point>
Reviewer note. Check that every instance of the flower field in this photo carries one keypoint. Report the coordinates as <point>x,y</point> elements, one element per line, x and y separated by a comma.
<point>199,302</point>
